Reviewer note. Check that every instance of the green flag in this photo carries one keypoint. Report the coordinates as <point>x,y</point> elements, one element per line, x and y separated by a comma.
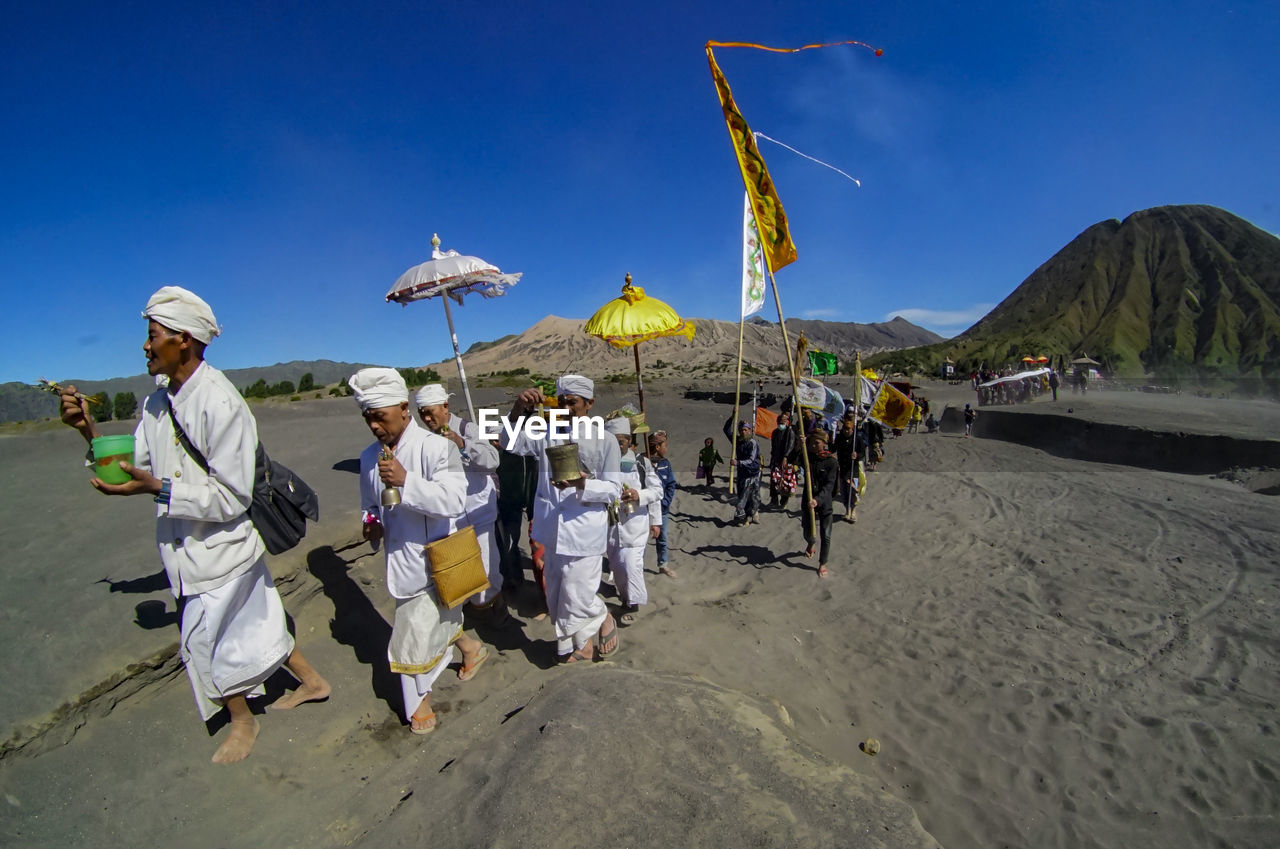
<point>822,363</point>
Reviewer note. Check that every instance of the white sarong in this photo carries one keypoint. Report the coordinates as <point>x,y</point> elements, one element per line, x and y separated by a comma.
<point>488,542</point>
<point>572,600</point>
<point>421,646</point>
<point>234,638</point>
<point>422,633</point>
<point>627,563</point>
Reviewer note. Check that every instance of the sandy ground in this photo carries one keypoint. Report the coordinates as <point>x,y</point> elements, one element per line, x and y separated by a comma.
<point>1051,653</point>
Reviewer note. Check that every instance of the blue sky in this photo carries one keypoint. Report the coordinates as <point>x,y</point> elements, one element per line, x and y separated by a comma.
<point>289,161</point>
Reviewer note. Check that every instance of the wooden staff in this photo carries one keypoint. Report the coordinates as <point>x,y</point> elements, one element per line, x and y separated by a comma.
<point>737,394</point>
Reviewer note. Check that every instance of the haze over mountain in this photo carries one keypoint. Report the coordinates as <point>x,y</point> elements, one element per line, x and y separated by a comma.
<point>1171,291</point>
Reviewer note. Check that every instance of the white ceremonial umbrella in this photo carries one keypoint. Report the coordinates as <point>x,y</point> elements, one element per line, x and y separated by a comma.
<point>452,275</point>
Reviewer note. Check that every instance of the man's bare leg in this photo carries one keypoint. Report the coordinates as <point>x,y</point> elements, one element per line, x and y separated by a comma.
<point>311,687</point>
<point>244,730</point>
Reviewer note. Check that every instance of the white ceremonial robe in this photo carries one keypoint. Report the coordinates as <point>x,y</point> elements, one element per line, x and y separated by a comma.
<point>431,507</point>
<point>234,638</point>
<point>628,537</point>
<point>480,463</point>
<point>573,525</point>
<point>233,631</point>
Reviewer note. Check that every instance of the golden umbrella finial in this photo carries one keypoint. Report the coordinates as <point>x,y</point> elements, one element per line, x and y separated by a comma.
<point>634,317</point>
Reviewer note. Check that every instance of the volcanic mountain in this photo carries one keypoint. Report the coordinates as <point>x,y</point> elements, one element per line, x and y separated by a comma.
<point>556,344</point>
<point>1170,291</point>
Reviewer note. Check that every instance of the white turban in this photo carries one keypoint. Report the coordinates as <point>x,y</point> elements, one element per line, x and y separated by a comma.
<point>378,387</point>
<point>431,395</point>
<point>178,309</point>
<point>621,424</point>
<point>576,384</point>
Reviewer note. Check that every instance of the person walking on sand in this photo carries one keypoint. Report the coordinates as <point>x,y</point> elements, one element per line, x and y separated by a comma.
<point>571,519</point>
<point>969,415</point>
<point>1054,383</point>
<point>846,449</point>
<point>517,482</point>
<point>825,469</point>
<point>708,457</point>
<point>658,456</point>
<point>427,471</point>
<point>638,518</point>
<point>782,445</point>
<point>233,628</point>
<point>479,463</point>
<point>746,464</point>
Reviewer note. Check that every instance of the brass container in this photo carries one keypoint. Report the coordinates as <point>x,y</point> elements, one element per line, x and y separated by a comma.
<point>565,464</point>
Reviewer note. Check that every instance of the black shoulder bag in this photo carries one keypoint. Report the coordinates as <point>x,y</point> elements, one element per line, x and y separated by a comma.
<point>282,501</point>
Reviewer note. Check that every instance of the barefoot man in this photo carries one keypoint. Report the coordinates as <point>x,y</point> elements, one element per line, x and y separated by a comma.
<point>572,520</point>
<point>233,624</point>
<point>426,470</point>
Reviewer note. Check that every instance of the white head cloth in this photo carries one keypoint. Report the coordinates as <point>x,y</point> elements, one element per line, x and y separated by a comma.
<point>178,309</point>
<point>378,387</point>
<point>431,395</point>
<point>576,384</point>
<point>621,424</point>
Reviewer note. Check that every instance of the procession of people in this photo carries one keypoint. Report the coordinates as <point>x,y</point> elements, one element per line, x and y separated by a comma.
<point>425,483</point>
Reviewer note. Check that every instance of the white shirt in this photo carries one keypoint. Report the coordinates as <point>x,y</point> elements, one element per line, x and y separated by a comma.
<point>431,504</point>
<point>576,520</point>
<point>480,463</point>
<point>633,529</point>
<point>204,533</point>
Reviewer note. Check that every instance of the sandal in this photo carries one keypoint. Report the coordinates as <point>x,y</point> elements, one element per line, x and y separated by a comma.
<point>602,638</point>
<point>423,725</point>
<point>628,618</point>
<point>466,673</point>
<point>576,657</point>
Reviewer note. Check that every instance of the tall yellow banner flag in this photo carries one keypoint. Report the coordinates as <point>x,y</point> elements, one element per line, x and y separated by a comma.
<point>779,250</point>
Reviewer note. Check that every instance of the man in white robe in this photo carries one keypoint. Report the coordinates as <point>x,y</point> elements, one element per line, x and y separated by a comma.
<point>426,471</point>
<point>233,623</point>
<point>639,519</point>
<point>480,463</point>
<point>571,520</point>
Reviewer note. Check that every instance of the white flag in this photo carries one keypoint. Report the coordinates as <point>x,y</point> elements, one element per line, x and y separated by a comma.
<point>752,263</point>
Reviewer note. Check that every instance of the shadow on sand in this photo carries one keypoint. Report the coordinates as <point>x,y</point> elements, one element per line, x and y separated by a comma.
<point>357,623</point>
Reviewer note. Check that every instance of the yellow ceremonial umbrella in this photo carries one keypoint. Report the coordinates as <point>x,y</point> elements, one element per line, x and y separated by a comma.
<point>632,318</point>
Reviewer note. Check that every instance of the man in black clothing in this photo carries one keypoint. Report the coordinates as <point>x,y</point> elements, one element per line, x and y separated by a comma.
<point>517,483</point>
<point>847,450</point>
<point>825,471</point>
<point>782,444</point>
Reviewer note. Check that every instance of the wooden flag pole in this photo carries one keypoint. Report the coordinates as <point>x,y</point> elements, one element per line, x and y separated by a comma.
<point>737,395</point>
<point>795,403</point>
<point>639,381</point>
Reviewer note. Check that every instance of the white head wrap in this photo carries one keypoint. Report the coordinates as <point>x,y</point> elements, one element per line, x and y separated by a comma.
<point>431,395</point>
<point>576,384</point>
<point>621,424</point>
<point>378,387</point>
<point>178,309</point>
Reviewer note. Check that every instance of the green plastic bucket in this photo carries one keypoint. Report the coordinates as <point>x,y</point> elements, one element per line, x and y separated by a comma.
<point>108,451</point>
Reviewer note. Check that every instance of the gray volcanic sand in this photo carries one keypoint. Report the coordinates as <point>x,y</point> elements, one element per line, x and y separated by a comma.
<point>1051,653</point>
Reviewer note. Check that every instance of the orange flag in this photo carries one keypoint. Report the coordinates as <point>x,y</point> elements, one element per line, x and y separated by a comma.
<point>766,422</point>
<point>779,250</point>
